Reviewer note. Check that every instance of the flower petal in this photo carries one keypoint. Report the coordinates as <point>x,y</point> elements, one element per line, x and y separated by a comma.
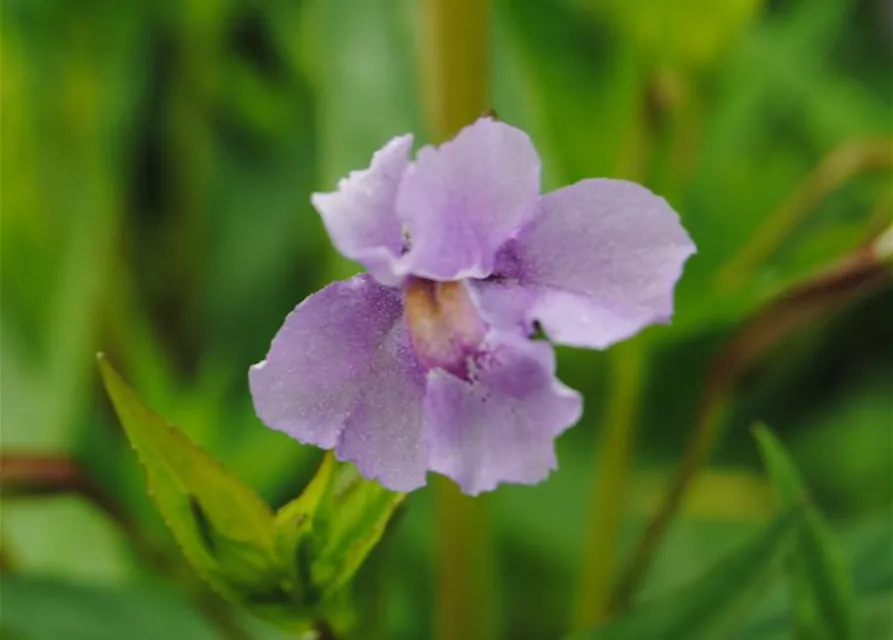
<point>361,215</point>
<point>462,200</point>
<point>597,264</point>
<point>340,372</point>
<point>501,426</point>
<point>384,435</point>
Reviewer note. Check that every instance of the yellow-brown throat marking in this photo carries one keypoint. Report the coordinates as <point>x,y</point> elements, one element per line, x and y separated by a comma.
<point>444,324</point>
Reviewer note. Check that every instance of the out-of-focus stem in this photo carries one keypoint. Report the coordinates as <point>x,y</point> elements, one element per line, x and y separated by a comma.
<point>864,270</point>
<point>30,475</point>
<point>608,493</point>
<point>457,63</point>
<point>456,80</point>
<point>464,565</point>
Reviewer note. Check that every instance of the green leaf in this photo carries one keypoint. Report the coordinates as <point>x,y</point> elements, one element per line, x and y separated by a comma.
<point>294,542</point>
<point>325,534</point>
<point>350,520</point>
<point>45,609</point>
<point>714,604</point>
<point>224,529</point>
<point>865,542</point>
<point>824,596</point>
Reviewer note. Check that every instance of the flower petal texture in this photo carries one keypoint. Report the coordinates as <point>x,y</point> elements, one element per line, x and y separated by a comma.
<point>361,215</point>
<point>460,201</point>
<point>341,373</point>
<point>501,427</point>
<point>426,363</point>
<point>596,264</point>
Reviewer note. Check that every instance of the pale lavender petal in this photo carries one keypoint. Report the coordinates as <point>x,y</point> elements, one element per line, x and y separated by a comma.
<point>597,264</point>
<point>501,426</point>
<point>361,215</point>
<point>384,434</point>
<point>340,372</point>
<point>462,200</point>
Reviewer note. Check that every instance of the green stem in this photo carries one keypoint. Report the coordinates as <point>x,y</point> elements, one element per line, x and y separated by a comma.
<point>456,81</point>
<point>464,565</point>
<point>610,486</point>
<point>458,70</point>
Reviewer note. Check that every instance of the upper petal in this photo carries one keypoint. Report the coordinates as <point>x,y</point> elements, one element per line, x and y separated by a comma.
<point>598,263</point>
<point>500,427</point>
<point>361,215</point>
<point>340,372</point>
<point>462,200</point>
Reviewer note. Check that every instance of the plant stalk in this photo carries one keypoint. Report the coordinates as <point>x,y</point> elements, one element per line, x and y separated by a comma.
<point>457,83</point>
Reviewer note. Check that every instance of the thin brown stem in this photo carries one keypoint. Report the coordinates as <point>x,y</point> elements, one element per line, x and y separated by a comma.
<point>840,165</point>
<point>29,475</point>
<point>815,298</point>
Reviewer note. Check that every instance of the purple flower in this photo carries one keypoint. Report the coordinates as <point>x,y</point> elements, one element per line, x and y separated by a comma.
<point>426,362</point>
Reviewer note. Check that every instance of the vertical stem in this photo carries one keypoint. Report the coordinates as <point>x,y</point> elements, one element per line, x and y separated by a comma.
<point>458,70</point>
<point>457,78</point>
<point>464,566</point>
<point>609,486</point>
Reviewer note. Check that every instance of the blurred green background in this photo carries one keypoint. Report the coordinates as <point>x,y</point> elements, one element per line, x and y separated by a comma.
<point>157,163</point>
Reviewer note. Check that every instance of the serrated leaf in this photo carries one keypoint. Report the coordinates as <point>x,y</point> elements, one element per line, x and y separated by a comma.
<point>325,534</point>
<point>714,604</point>
<point>224,529</point>
<point>350,519</point>
<point>824,604</point>
<point>294,524</point>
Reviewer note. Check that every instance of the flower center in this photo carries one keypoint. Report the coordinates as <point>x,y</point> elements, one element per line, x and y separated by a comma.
<point>444,324</point>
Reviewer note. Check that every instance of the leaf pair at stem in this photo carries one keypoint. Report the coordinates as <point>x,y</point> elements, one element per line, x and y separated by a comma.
<point>288,567</point>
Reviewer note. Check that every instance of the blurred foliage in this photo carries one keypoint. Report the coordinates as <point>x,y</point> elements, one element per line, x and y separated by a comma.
<point>158,159</point>
<point>824,600</point>
<point>713,605</point>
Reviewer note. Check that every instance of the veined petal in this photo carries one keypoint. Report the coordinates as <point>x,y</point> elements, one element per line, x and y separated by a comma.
<point>462,200</point>
<point>597,264</point>
<point>500,426</point>
<point>341,373</point>
<point>361,215</point>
